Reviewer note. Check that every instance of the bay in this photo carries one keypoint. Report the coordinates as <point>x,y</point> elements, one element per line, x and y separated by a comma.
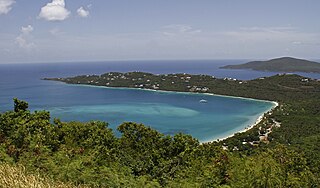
<point>167,112</point>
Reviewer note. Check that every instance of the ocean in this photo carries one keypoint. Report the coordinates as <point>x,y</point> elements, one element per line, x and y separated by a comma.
<point>167,112</point>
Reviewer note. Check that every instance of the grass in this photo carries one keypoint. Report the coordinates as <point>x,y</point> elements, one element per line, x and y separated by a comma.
<point>17,177</point>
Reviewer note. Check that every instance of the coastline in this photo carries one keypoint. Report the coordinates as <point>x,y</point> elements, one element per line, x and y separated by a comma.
<point>256,122</point>
<point>176,92</point>
<point>260,118</point>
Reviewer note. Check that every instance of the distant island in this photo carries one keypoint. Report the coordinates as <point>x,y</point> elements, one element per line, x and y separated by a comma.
<point>283,64</point>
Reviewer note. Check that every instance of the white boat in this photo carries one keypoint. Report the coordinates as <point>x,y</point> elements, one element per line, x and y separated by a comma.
<point>203,101</point>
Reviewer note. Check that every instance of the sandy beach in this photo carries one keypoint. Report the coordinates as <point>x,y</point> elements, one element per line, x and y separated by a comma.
<point>276,104</point>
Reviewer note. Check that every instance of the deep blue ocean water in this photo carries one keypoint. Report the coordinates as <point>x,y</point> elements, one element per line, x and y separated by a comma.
<point>167,112</point>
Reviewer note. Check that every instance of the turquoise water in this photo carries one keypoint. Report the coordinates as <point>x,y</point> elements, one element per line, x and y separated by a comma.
<point>167,112</point>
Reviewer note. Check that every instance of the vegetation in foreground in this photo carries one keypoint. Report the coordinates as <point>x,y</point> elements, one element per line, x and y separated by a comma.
<point>90,154</point>
<point>16,176</point>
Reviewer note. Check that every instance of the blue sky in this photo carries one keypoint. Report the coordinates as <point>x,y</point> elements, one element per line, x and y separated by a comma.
<point>98,30</point>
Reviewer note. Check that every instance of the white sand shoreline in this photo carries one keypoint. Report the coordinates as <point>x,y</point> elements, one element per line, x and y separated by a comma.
<point>276,104</point>
<point>260,118</point>
<point>178,92</point>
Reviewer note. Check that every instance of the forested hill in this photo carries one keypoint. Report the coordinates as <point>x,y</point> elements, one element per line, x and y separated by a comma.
<point>284,64</point>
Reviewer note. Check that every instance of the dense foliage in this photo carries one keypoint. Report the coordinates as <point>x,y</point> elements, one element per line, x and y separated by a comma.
<point>89,154</point>
<point>282,87</point>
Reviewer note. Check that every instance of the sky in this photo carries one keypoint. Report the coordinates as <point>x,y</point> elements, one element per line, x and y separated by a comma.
<point>102,30</point>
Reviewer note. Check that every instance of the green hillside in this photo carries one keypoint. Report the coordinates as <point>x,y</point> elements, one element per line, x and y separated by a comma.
<point>284,64</point>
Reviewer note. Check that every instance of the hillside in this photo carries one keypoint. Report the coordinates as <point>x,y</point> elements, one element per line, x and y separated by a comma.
<point>284,64</point>
<point>17,176</point>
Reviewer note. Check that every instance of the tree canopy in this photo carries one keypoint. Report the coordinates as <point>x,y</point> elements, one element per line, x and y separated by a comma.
<point>90,154</point>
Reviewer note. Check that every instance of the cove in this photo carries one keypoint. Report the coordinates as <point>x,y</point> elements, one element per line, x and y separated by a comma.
<point>165,111</point>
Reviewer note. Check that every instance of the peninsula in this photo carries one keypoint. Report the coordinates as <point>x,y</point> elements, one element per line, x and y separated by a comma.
<point>281,87</point>
<point>283,64</point>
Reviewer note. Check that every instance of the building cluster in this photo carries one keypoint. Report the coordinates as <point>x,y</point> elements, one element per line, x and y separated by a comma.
<point>198,89</point>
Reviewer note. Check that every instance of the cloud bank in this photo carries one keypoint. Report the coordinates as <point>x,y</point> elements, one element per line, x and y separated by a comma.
<point>54,11</point>
<point>6,6</point>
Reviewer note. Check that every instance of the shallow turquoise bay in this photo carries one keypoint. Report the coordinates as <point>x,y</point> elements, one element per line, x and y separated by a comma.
<point>167,112</point>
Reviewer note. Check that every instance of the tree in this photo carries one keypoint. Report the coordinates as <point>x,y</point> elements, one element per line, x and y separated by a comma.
<point>20,105</point>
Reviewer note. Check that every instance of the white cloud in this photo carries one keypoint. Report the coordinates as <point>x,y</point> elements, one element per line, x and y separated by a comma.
<point>54,11</point>
<point>23,40</point>
<point>82,12</point>
<point>6,6</point>
<point>26,30</point>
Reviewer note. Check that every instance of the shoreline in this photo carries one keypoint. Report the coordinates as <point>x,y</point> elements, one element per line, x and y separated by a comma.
<point>177,92</point>
<point>257,121</point>
<point>260,118</point>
